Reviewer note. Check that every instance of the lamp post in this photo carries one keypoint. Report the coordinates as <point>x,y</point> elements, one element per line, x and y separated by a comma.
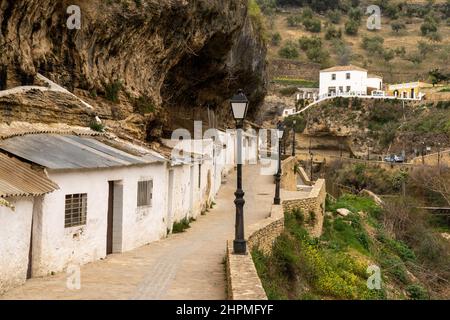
<point>239,106</point>
<point>293,138</point>
<point>312,163</point>
<point>280,132</point>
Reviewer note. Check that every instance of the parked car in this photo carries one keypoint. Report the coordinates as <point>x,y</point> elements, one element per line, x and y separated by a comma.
<point>394,158</point>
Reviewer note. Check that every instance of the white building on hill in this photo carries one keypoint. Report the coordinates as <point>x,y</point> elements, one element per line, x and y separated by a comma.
<point>348,79</point>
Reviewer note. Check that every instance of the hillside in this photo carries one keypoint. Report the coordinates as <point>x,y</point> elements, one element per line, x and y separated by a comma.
<point>413,38</point>
<point>146,66</point>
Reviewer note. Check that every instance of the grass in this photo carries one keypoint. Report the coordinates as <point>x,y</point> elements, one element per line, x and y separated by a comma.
<point>335,265</point>
<point>297,82</point>
<point>182,225</point>
<point>112,90</point>
<point>97,126</point>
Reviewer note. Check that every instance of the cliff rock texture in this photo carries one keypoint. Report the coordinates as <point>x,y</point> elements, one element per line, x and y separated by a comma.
<point>149,65</point>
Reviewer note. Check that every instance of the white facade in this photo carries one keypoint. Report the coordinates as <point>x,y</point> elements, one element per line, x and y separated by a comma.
<point>334,82</point>
<point>15,236</point>
<point>55,247</point>
<point>374,83</point>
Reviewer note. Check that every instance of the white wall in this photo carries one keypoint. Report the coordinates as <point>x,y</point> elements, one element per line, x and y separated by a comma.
<point>357,81</point>
<point>375,83</point>
<point>57,246</point>
<point>15,233</point>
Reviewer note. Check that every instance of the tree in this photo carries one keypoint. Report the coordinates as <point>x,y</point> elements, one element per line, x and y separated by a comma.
<point>373,44</point>
<point>436,76</point>
<point>307,43</point>
<point>333,33</point>
<point>289,51</point>
<point>334,16</point>
<point>293,20</point>
<point>317,54</point>
<point>355,14</point>
<point>312,25</point>
<point>351,27</point>
<point>397,26</point>
<point>388,55</point>
<point>276,39</point>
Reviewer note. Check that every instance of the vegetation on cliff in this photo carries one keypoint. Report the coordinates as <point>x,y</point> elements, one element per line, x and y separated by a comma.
<point>335,266</point>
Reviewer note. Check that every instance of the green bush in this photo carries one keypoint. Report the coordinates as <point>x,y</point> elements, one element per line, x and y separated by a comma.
<point>289,51</point>
<point>289,91</point>
<point>307,43</point>
<point>112,90</point>
<point>293,21</point>
<point>97,126</point>
<point>417,292</point>
<point>144,105</point>
<point>312,25</point>
<point>318,55</point>
<point>182,225</point>
<point>333,33</point>
<point>351,27</point>
<point>373,44</point>
<point>334,16</point>
<point>397,26</point>
<point>276,39</point>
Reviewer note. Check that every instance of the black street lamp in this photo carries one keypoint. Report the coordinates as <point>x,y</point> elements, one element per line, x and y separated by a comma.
<point>293,138</point>
<point>280,132</point>
<point>239,106</point>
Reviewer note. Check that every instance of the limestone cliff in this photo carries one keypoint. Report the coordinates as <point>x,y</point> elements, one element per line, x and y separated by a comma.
<point>144,65</point>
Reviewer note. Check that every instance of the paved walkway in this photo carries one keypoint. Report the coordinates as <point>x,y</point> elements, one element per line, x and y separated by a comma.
<point>184,266</point>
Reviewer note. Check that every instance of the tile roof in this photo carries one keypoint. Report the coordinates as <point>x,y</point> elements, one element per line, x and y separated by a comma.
<point>343,68</point>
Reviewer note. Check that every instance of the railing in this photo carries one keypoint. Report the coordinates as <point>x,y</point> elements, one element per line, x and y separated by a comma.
<point>356,94</point>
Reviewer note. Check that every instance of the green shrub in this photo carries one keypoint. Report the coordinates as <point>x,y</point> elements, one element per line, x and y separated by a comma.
<point>289,91</point>
<point>397,26</point>
<point>276,39</point>
<point>312,25</point>
<point>182,225</point>
<point>351,27</point>
<point>293,21</point>
<point>144,105</point>
<point>289,51</point>
<point>307,43</point>
<point>355,14</point>
<point>112,90</point>
<point>334,16</point>
<point>417,292</point>
<point>373,44</point>
<point>333,33</point>
<point>318,55</point>
<point>97,126</point>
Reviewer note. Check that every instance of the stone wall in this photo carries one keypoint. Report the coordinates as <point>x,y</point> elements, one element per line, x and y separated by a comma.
<point>314,202</point>
<point>242,278</point>
<point>289,176</point>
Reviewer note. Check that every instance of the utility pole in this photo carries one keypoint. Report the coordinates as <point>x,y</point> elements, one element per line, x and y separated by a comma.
<point>294,123</point>
<point>423,153</point>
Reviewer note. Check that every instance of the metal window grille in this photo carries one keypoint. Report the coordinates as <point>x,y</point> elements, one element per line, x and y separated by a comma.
<point>75,210</point>
<point>145,193</point>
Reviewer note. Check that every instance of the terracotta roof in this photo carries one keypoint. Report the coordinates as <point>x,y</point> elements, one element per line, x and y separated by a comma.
<point>19,179</point>
<point>18,128</point>
<point>343,68</point>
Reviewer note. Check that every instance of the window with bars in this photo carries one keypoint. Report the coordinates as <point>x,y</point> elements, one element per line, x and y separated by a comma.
<point>75,210</point>
<point>145,193</point>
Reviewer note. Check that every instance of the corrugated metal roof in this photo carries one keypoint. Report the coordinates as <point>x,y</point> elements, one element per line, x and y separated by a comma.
<point>18,179</point>
<point>70,152</point>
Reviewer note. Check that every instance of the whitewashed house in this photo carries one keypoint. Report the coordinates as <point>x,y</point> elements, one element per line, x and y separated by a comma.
<point>348,79</point>
<point>21,191</point>
<point>107,201</point>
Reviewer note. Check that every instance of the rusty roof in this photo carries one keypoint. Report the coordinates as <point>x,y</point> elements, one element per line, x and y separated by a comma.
<point>19,179</point>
